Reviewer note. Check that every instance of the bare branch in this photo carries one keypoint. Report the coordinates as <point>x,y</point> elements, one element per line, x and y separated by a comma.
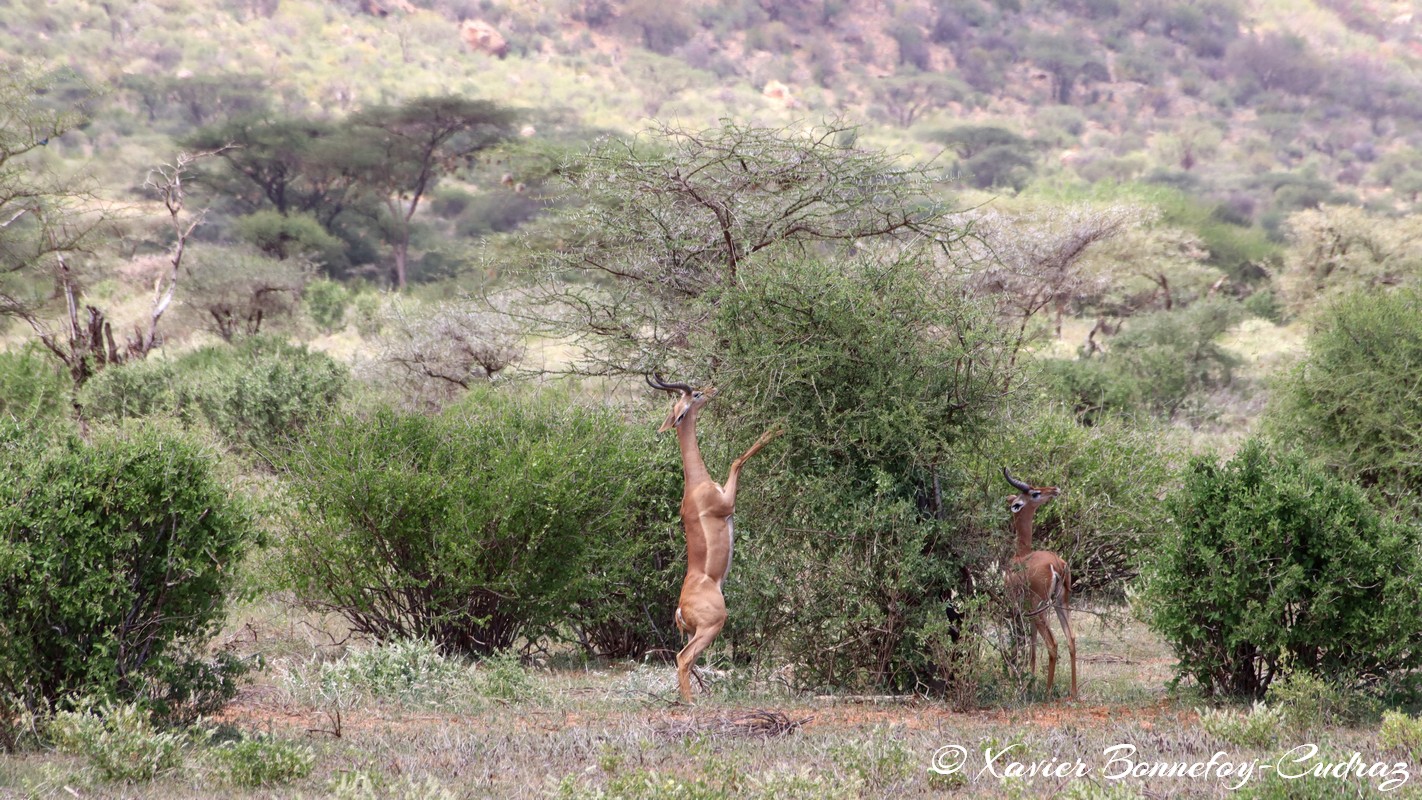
<point>166,181</point>
<point>665,222</point>
<point>433,355</point>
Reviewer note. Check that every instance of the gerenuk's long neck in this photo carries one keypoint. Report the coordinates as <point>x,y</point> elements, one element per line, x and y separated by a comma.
<point>1022,523</point>
<point>692,465</point>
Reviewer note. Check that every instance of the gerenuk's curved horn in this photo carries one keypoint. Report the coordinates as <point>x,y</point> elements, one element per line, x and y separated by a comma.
<point>1016,483</point>
<point>655,381</point>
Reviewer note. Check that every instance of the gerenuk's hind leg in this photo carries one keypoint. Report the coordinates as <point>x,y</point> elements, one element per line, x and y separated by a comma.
<point>700,640</point>
<point>1063,616</point>
<point>1051,643</point>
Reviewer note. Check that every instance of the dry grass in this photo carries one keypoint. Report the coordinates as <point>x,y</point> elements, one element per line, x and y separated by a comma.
<point>617,731</point>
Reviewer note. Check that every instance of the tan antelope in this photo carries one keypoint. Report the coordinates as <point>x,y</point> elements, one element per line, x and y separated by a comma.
<point>706,514</point>
<point>1040,578</point>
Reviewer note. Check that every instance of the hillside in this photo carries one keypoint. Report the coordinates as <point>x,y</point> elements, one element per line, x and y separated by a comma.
<point>1267,106</point>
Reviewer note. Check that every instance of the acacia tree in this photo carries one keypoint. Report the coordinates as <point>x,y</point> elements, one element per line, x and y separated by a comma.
<point>909,95</point>
<point>1068,60</point>
<point>293,164</point>
<point>402,152</point>
<point>989,156</point>
<point>1027,260</point>
<point>659,226</point>
<point>47,223</point>
<point>1338,249</point>
<point>434,356</point>
<point>796,272</point>
<point>42,216</point>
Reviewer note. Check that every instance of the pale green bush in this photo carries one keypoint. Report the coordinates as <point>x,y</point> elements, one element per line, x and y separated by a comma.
<point>264,761</point>
<point>1403,733</point>
<point>1260,727</point>
<point>119,740</point>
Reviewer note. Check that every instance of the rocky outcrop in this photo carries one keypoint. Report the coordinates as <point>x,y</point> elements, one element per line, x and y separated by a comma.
<point>485,38</point>
<point>778,92</point>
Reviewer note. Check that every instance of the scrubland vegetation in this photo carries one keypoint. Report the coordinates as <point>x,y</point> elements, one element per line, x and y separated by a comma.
<point>328,469</point>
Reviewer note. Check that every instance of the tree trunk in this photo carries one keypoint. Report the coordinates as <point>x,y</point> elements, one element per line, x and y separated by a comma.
<point>400,272</point>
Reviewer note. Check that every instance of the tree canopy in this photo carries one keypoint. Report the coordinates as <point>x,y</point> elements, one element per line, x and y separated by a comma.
<point>657,226</point>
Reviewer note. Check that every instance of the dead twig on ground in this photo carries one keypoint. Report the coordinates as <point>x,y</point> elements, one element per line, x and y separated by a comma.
<point>757,724</point>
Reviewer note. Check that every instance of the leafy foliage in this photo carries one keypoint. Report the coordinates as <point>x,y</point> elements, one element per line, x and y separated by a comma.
<point>1163,363</point>
<point>255,394</point>
<point>1260,727</point>
<point>1089,387</point>
<point>32,387</point>
<point>119,740</point>
<point>1401,733</point>
<point>399,153</point>
<point>293,164</point>
<point>877,370</point>
<point>1353,401</point>
<point>235,290</point>
<point>411,671</point>
<point>377,165</point>
<point>1109,518</point>
<point>1069,60</point>
<point>664,223</point>
<point>326,302</point>
<point>293,235</point>
<point>909,95</point>
<point>1279,567</point>
<point>487,524</point>
<point>116,560</point>
<point>1172,357</point>
<point>1339,250</point>
<point>264,761</point>
<point>1308,701</point>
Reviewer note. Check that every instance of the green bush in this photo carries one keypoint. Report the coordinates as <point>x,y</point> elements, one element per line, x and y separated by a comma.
<point>1277,567</point>
<point>847,548</point>
<point>116,559</point>
<point>367,308</point>
<point>1265,305</point>
<point>1090,387</point>
<point>1402,733</point>
<point>501,676</point>
<point>1354,402</point>
<point>148,388</point>
<point>292,235</point>
<point>1309,701</point>
<point>1172,358</point>
<point>263,761</point>
<point>1162,363</point>
<point>1258,728</point>
<point>119,740</point>
<point>1110,517</point>
<point>326,302</point>
<point>255,394</point>
<point>504,518</point>
<point>412,671</point>
<point>33,385</point>
<point>268,390</point>
<point>234,291</point>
